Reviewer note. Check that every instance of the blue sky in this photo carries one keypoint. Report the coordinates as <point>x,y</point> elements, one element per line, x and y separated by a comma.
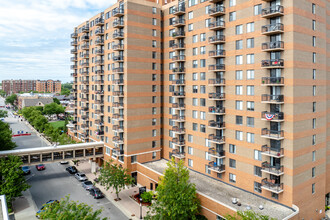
<point>35,36</point>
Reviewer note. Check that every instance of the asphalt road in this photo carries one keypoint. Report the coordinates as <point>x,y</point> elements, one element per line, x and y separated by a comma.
<point>16,125</point>
<point>56,183</point>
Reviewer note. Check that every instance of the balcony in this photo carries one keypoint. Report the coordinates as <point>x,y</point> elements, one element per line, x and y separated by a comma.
<point>270,185</point>
<point>118,93</point>
<point>217,11</point>
<point>118,24</point>
<point>179,106</point>
<point>177,130</point>
<point>178,118</point>
<point>216,139</point>
<point>85,55</point>
<point>178,141</point>
<point>272,134</point>
<point>217,39</point>
<point>99,112</point>
<point>99,92</point>
<point>272,81</point>
<point>99,62</point>
<point>179,70</point>
<point>118,117</point>
<point>272,64</point>
<point>99,22</point>
<point>276,170</point>
<point>74,75</point>
<point>99,82</point>
<point>118,105</point>
<point>99,52</point>
<point>73,59</point>
<point>118,70</point>
<point>215,1</point>
<point>178,82</point>
<point>118,82</point>
<point>118,35</point>
<point>178,154</point>
<point>270,29</point>
<point>85,117</point>
<point>74,35</point>
<point>217,125</point>
<point>179,22</point>
<point>272,99</point>
<point>216,96</point>
<point>217,82</point>
<point>85,81</point>
<point>118,58</point>
<point>178,34</point>
<point>85,47</point>
<point>272,152</point>
<point>219,168</point>
<point>273,11</point>
<point>85,99</point>
<point>217,154</point>
<point>85,64</point>
<point>74,43</point>
<point>118,140</point>
<point>74,66</point>
<point>117,152</point>
<point>85,38</point>
<point>119,12</point>
<point>118,47</point>
<point>85,29</point>
<point>217,25</point>
<point>179,94</point>
<point>118,128</point>
<point>180,46</point>
<point>217,53</point>
<point>272,46</point>
<point>216,110</point>
<point>217,67</point>
<point>180,58</point>
<point>100,72</point>
<point>179,10</point>
<point>85,90</point>
<point>74,51</point>
<point>272,116</point>
<point>99,122</point>
<point>99,32</point>
<point>99,42</point>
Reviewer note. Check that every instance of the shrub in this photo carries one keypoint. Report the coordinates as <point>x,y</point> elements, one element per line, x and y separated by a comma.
<point>147,196</point>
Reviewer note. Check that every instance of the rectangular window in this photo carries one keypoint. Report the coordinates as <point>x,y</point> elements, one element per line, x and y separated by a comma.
<point>250,137</point>
<point>154,10</point>
<point>257,155</point>
<point>239,74</point>
<point>107,151</point>
<point>239,120</point>
<point>195,76</point>
<point>257,9</point>
<point>232,163</point>
<point>232,3</point>
<point>257,187</point>
<point>250,27</point>
<point>250,90</point>
<point>250,58</point>
<point>232,178</point>
<point>314,106</point>
<point>313,155</point>
<point>314,139</point>
<point>250,106</point>
<point>195,63</point>
<point>239,44</point>
<point>195,89</point>
<point>190,138</point>
<point>190,150</point>
<point>250,121</point>
<point>190,15</point>
<point>250,43</point>
<point>190,27</point>
<point>314,57</point>
<point>195,127</point>
<point>133,159</point>
<point>202,128</point>
<point>190,163</point>
<point>195,51</point>
<point>314,73</point>
<point>195,101</point>
<point>195,38</point>
<point>239,60</point>
<point>313,8</point>
<point>203,115</point>
<point>203,76</point>
<point>250,74</point>
<point>154,155</point>
<point>313,188</point>
<point>232,16</point>
<point>195,114</point>
<point>257,171</point>
<point>202,63</point>
<point>313,172</point>
<point>314,90</point>
<point>203,50</point>
<point>314,123</point>
<point>239,29</point>
<point>232,149</point>
<point>203,37</point>
<point>313,25</point>
<point>239,135</point>
<point>239,105</point>
<point>154,21</point>
<point>314,41</point>
<point>239,90</point>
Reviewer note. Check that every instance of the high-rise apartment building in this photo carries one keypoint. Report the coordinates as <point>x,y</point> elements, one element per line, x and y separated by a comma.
<point>48,86</point>
<point>17,86</point>
<point>235,88</point>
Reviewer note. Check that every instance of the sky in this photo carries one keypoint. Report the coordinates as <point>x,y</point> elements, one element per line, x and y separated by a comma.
<point>35,36</point>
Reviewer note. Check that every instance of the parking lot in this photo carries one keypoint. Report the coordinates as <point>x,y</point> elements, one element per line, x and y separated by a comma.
<point>55,183</point>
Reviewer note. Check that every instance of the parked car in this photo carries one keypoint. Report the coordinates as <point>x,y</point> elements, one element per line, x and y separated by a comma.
<point>88,185</point>
<point>26,170</point>
<point>64,162</point>
<point>81,176</point>
<point>96,193</point>
<point>42,209</point>
<point>72,170</point>
<point>40,167</point>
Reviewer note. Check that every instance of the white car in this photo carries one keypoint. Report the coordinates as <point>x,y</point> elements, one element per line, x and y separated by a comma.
<point>81,176</point>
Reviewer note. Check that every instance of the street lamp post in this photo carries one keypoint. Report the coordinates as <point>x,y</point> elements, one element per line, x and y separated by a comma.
<point>141,208</point>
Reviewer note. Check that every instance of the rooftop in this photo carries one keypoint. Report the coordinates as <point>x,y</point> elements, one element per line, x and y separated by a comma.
<point>223,193</point>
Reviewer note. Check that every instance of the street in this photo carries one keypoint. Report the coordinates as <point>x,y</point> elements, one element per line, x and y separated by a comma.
<point>55,183</point>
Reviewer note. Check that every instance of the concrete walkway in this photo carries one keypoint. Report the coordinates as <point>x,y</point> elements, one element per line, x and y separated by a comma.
<point>127,205</point>
<point>24,207</point>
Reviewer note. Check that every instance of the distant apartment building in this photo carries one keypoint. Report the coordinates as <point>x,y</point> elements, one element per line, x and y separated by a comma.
<point>235,88</point>
<point>17,86</point>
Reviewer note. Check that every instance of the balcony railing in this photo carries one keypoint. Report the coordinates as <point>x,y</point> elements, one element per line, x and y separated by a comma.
<point>118,105</point>
<point>217,81</point>
<point>272,152</point>
<point>118,81</point>
<point>73,59</point>
<point>216,124</point>
<point>99,92</point>
<point>179,93</point>
<point>99,31</point>
<point>275,10</point>
<point>219,168</point>
<point>118,117</point>
<point>178,70</point>
<point>272,98</point>
<point>178,141</point>
<point>276,81</point>
<point>118,23</point>
<point>178,118</point>
<point>118,140</point>
<point>118,58</point>
<point>218,154</point>
<point>85,47</point>
<point>216,139</point>
<point>85,37</point>
<point>179,58</point>
<point>118,128</point>
<point>272,116</point>
<point>218,10</point>
<point>216,110</point>
<point>74,66</point>
<point>217,67</point>
<point>118,12</point>
<point>99,81</point>
<point>74,43</point>
<point>99,62</point>
<point>85,29</point>
<point>272,28</point>
<point>216,96</point>
<point>179,10</point>
<point>118,35</point>
<point>178,130</point>
<point>178,154</point>
<point>217,53</point>
<point>118,93</point>
<point>274,63</point>
<point>215,25</point>
<point>99,72</point>
<point>99,21</point>
<point>178,82</point>
<point>273,46</point>
<point>274,170</point>
<point>74,35</point>
<point>99,42</point>
<point>118,70</point>
<point>74,51</point>
<point>270,185</point>
<point>99,52</point>
<point>178,34</point>
<point>179,22</point>
<point>180,46</point>
<point>217,39</point>
<point>272,134</point>
<point>118,47</point>
<point>178,105</point>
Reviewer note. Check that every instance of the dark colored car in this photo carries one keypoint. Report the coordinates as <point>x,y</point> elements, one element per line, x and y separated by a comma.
<point>96,193</point>
<point>26,170</point>
<point>87,185</point>
<point>42,209</point>
<point>40,167</point>
<point>72,170</point>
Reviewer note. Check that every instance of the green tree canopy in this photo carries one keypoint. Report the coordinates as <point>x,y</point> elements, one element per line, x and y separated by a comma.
<point>176,196</point>
<point>12,181</point>
<point>56,101</point>
<point>53,108</point>
<point>11,99</point>
<point>66,209</point>
<point>2,93</point>
<point>6,142</point>
<point>114,176</point>
<point>248,215</point>
<point>3,114</point>
<point>67,86</point>
<point>66,92</point>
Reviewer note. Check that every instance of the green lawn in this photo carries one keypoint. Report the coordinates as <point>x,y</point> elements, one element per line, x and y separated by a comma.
<point>57,124</point>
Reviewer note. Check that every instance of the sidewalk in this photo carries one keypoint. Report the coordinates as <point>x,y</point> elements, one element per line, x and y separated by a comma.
<point>24,207</point>
<point>33,129</point>
<point>127,205</point>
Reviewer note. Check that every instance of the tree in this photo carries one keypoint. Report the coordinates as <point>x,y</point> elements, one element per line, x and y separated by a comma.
<point>114,176</point>
<point>65,92</point>
<point>2,93</point>
<point>39,122</point>
<point>3,114</point>
<point>67,86</point>
<point>66,209</point>
<point>53,108</point>
<point>6,142</point>
<point>176,196</point>
<point>12,181</point>
<point>248,215</point>
<point>11,99</point>
<point>56,101</point>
